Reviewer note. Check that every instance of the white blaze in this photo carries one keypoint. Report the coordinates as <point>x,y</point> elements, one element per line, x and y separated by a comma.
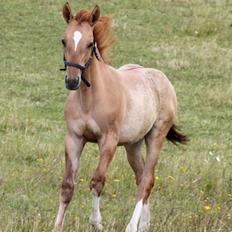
<point>76,37</point>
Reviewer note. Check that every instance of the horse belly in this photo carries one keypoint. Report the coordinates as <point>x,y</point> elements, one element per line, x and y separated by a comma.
<point>139,116</point>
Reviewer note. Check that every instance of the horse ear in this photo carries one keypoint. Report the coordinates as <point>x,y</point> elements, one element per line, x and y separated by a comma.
<point>94,15</point>
<point>67,13</point>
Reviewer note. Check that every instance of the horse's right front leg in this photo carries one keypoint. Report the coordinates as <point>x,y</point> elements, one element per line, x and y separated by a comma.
<point>73,149</point>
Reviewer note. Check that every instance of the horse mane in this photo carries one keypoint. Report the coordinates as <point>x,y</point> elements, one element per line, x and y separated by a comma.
<point>101,31</point>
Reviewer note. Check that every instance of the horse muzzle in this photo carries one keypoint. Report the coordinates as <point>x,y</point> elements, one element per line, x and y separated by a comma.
<point>72,82</point>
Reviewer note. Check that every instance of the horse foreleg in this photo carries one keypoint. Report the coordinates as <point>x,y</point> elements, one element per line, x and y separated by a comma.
<point>95,217</point>
<point>107,148</point>
<point>73,149</point>
<point>154,140</point>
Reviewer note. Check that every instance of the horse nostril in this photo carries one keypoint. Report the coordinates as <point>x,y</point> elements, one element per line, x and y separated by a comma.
<point>72,82</point>
<point>69,79</point>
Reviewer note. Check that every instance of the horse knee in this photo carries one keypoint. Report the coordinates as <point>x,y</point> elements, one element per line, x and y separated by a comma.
<point>67,189</point>
<point>97,183</point>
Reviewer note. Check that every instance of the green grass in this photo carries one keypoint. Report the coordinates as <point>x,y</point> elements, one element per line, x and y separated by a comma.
<point>188,40</point>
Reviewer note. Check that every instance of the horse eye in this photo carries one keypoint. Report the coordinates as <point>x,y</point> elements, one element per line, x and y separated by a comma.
<point>63,42</point>
<point>90,45</point>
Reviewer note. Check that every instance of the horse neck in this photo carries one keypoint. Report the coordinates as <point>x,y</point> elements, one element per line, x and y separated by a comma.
<point>87,95</point>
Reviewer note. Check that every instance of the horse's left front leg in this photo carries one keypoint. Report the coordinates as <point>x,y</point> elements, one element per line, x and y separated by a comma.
<point>107,148</point>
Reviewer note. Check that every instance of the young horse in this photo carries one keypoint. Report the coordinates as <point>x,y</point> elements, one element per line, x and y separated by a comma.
<point>112,107</point>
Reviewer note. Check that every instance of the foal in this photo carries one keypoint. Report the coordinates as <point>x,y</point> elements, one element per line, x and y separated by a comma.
<point>112,107</point>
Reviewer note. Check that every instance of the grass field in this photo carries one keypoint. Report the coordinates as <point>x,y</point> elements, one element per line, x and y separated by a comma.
<point>190,41</point>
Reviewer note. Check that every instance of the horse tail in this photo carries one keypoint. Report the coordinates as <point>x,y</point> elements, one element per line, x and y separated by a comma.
<point>175,136</point>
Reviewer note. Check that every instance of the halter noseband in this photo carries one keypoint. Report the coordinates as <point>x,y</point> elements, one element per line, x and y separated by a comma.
<point>81,67</point>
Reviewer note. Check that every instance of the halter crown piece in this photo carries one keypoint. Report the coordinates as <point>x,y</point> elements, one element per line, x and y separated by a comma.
<point>81,67</point>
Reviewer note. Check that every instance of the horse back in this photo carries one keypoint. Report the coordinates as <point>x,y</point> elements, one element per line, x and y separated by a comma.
<point>150,96</point>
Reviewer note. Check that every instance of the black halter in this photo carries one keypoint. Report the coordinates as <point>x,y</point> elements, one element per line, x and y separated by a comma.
<point>81,67</point>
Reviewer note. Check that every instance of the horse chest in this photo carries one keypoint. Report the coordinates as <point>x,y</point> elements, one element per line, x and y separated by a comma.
<point>84,126</point>
<point>92,130</point>
<point>139,116</point>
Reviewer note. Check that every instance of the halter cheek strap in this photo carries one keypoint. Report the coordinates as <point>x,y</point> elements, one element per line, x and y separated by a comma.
<point>81,67</point>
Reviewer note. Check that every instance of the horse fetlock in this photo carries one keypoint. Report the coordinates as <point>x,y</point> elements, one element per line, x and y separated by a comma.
<point>131,227</point>
<point>58,228</point>
<point>144,225</point>
<point>95,218</point>
<point>97,184</point>
<point>67,190</point>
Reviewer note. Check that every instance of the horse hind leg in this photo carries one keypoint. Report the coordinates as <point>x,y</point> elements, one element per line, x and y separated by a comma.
<point>144,222</point>
<point>154,140</point>
<point>136,162</point>
<point>135,159</point>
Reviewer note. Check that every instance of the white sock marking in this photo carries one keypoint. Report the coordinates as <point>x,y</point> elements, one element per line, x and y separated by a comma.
<point>76,37</point>
<point>60,217</point>
<point>95,217</point>
<point>144,222</point>
<point>132,226</point>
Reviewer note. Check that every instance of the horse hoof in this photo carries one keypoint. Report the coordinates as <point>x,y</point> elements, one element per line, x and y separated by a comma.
<point>57,229</point>
<point>144,227</point>
<point>98,227</point>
